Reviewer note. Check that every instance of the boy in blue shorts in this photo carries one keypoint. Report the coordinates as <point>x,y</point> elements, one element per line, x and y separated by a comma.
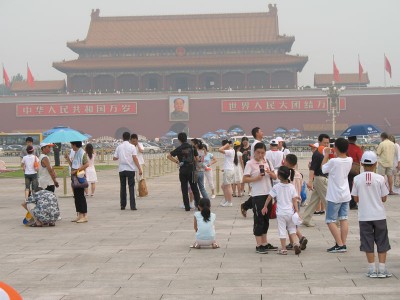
<point>338,194</point>
<point>370,192</point>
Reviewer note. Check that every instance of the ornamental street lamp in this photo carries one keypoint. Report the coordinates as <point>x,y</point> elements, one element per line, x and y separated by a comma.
<point>333,108</point>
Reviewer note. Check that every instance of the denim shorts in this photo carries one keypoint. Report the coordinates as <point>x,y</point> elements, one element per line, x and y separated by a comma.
<point>336,211</point>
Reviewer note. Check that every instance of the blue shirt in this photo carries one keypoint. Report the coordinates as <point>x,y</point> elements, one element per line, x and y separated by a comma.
<point>205,230</point>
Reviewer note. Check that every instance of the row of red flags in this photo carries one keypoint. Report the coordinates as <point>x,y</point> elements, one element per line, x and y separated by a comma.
<point>336,74</point>
<point>29,78</point>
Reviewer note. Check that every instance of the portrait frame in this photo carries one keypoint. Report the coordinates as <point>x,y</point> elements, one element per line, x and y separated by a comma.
<point>178,111</point>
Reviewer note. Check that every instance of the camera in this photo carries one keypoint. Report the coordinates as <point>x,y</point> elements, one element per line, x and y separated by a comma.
<point>262,170</point>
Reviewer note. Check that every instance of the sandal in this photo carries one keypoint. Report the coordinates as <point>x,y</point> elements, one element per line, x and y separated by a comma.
<point>35,225</point>
<point>195,246</point>
<point>215,246</point>
<point>282,252</point>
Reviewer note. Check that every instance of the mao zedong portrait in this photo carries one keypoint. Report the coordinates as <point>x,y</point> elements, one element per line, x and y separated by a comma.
<point>180,112</point>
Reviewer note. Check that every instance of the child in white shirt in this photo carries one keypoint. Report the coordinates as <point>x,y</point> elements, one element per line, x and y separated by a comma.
<point>338,194</point>
<point>204,221</point>
<point>286,197</point>
<point>370,192</point>
<point>30,165</point>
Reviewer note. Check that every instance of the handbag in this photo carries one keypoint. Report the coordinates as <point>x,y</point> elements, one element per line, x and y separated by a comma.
<point>143,192</point>
<point>76,184</point>
<point>272,214</point>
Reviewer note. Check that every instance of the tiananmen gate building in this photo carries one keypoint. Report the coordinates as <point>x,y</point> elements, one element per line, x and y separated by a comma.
<point>194,73</point>
<point>183,52</point>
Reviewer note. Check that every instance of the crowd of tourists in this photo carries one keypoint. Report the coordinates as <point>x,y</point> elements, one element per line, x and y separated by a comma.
<point>275,186</point>
<point>273,181</point>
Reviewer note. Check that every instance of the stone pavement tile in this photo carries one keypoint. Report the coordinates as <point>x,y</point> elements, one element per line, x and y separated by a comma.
<point>361,280</point>
<point>132,283</point>
<point>268,290</point>
<point>213,297</point>
<point>384,296</point>
<point>296,282</point>
<point>34,293</point>
<point>190,277</point>
<point>182,283</point>
<point>188,270</point>
<point>188,291</point>
<point>377,289</point>
<point>317,297</point>
<point>114,297</point>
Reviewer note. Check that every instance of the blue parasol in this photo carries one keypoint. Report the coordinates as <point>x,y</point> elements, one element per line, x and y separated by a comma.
<point>65,136</point>
<point>280,130</point>
<point>361,129</point>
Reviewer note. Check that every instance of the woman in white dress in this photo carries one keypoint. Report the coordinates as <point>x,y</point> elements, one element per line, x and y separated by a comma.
<point>238,169</point>
<point>91,175</point>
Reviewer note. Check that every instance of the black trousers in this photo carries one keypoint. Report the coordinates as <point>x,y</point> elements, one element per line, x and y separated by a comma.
<point>186,178</point>
<point>248,204</point>
<point>123,177</point>
<point>350,179</point>
<point>80,200</point>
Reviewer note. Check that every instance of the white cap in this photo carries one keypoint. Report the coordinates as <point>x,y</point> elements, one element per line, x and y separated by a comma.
<point>46,144</point>
<point>316,145</point>
<point>273,142</point>
<point>369,158</point>
<point>279,139</point>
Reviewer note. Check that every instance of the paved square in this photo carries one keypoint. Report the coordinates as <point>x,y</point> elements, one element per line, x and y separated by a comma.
<point>145,254</point>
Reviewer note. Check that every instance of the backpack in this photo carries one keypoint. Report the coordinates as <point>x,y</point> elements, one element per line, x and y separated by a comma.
<point>187,155</point>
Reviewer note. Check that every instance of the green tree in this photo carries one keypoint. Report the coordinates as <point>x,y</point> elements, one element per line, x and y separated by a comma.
<point>17,77</point>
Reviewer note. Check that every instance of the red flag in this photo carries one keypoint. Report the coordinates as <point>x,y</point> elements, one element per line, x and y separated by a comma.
<point>29,78</point>
<point>360,70</point>
<point>6,78</point>
<point>336,77</point>
<point>388,67</point>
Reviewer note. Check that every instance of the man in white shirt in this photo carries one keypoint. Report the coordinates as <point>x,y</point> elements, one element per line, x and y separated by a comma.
<point>140,157</point>
<point>258,136</point>
<point>126,154</point>
<point>338,194</point>
<point>274,156</point>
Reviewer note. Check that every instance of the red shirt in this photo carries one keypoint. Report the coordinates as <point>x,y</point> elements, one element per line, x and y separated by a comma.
<point>354,152</point>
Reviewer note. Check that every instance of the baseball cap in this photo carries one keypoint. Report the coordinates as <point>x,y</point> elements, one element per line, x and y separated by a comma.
<point>315,145</point>
<point>279,139</point>
<point>369,158</point>
<point>236,143</point>
<point>273,142</point>
<point>46,144</point>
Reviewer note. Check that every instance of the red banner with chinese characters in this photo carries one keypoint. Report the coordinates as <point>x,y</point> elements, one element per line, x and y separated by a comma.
<point>76,109</point>
<point>284,104</point>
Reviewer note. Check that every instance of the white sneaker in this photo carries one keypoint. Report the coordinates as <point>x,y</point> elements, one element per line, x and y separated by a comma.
<point>212,196</point>
<point>183,206</point>
<point>223,202</point>
<point>191,205</point>
<point>227,204</point>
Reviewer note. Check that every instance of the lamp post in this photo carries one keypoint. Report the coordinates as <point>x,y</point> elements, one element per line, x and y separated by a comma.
<point>333,108</point>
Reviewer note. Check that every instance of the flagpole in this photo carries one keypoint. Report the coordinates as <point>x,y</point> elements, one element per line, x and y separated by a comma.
<point>359,77</point>
<point>384,68</point>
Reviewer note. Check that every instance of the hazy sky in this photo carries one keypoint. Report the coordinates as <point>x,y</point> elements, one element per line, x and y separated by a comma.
<point>37,31</point>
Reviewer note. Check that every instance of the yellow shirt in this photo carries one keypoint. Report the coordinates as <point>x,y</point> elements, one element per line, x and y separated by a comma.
<point>385,153</point>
